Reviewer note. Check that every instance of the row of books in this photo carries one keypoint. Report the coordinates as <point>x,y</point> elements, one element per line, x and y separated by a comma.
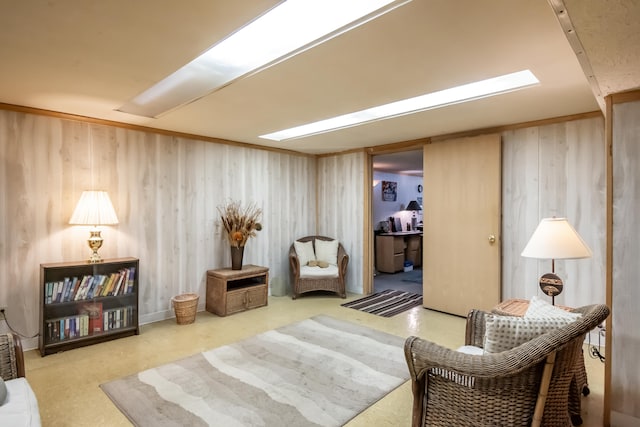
<point>90,320</point>
<point>89,287</point>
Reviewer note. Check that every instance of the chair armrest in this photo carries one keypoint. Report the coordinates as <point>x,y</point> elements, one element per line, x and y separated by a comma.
<point>343,261</point>
<point>423,355</point>
<point>11,356</point>
<point>294,262</point>
<point>474,333</point>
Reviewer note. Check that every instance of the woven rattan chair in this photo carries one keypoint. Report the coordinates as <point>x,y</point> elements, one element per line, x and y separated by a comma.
<point>20,407</point>
<point>307,283</point>
<point>452,388</point>
<point>11,357</point>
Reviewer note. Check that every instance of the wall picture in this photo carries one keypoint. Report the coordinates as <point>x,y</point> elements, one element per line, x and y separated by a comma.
<point>389,191</point>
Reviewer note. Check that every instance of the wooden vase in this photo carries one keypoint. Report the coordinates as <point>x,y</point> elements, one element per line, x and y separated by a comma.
<point>236,257</point>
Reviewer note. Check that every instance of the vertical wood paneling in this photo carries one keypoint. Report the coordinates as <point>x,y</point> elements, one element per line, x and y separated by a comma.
<point>555,170</point>
<point>520,211</point>
<point>165,190</point>
<point>625,335</point>
<point>340,213</point>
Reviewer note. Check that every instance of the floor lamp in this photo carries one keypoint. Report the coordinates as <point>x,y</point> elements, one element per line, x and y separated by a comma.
<point>555,239</point>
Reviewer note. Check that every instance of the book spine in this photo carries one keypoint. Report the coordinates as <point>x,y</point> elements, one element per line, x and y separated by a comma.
<point>132,279</point>
<point>48,292</point>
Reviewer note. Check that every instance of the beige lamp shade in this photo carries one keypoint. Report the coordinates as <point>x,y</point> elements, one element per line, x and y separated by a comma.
<point>94,208</point>
<point>555,238</point>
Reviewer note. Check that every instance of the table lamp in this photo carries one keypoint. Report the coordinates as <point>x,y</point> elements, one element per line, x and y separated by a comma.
<point>413,206</point>
<point>94,208</point>
<point>555,239</point>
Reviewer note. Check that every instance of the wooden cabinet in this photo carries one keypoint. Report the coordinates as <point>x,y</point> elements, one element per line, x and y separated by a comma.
<point>392,249</point>
<point>389,254</point>
<point>83,304</point>
<point>231,291</point>
<point>413,250</point>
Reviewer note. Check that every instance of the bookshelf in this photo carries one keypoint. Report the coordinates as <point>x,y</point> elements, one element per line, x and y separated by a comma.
<point>83,304</point>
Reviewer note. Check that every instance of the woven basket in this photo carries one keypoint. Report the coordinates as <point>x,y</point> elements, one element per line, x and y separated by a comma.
<point>185,306</point>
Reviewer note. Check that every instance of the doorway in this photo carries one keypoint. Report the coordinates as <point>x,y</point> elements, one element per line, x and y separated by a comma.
<point>396,204</point>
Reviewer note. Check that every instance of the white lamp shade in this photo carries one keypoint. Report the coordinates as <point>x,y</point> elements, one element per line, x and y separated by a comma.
<point>94,208</point>
<point>555,238</point>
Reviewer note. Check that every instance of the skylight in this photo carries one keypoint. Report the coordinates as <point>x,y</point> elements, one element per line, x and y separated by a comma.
<point>286,30</point>
<point>468,92</point>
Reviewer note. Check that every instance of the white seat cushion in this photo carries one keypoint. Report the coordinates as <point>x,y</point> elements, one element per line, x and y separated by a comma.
<point>317,272</point>
<point>21,407</point>
<point>470,349</point>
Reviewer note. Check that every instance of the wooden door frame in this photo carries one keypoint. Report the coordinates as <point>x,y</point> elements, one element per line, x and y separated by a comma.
<point>367,240</point>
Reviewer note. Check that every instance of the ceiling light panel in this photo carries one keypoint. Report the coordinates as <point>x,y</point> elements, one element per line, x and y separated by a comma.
<point>286,30</point>
<point>464,93</point>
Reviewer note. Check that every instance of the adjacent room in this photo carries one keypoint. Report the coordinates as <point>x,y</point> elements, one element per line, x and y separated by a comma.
<point>397,211</point>
<point>300,212</point>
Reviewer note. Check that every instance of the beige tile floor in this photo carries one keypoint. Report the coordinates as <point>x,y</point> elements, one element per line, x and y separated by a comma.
<point>66,384</point>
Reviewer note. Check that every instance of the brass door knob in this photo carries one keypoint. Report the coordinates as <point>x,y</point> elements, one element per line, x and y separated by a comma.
<point>492,239</point>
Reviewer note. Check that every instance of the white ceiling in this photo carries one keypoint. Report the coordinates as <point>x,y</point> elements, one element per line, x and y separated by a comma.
<point>89,57</point>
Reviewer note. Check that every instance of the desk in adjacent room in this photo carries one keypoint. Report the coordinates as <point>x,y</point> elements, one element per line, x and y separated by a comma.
<point>393,249</point>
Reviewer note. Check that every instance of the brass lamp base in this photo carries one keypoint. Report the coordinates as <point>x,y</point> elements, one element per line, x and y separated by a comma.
<point>95,243</point>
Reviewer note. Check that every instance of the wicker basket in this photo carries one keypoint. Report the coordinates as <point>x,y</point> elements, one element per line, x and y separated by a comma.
<point>185,306</point>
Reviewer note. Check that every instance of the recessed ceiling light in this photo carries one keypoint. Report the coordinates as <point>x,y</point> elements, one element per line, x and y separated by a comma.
<point>286,30</point>
<point>455,95</point>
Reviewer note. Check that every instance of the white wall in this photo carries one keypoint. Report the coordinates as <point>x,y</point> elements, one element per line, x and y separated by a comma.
<point>407,191</point>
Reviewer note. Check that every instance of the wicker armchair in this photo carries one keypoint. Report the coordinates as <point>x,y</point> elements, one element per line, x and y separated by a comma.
<point>451,388</point>
<point>11,357</point>
<point>307,282</point>
<point>20,407</point>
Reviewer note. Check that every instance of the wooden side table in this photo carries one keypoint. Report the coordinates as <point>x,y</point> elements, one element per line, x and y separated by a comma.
<point>232,291</point>
<point>518,307</point>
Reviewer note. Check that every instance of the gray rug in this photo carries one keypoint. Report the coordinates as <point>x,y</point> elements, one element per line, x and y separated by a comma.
<point>413,276</point>
<point>317,372</point>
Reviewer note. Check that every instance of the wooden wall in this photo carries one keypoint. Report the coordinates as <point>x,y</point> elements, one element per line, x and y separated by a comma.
<point>165,191</point>
<point>625,287</point>
<point>340,208</point>
<point>555,170</point>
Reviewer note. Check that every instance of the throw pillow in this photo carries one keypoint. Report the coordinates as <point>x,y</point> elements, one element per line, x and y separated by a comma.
<point>3,392</point>
<point>304,251</point>
<point>503,333</point>
<point>327,251</point>
<point>541,308</point>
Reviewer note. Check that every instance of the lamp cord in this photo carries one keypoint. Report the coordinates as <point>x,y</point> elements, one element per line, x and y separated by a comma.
<point>4,317</point>
<point>594,351</point>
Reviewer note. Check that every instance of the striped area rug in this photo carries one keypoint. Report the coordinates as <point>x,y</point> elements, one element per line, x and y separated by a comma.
<point>386,303</point>
<point>318,372</point>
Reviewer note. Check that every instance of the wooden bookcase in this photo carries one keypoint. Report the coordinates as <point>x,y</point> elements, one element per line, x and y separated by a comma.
<point>231,291</point>
<point>83,304</point>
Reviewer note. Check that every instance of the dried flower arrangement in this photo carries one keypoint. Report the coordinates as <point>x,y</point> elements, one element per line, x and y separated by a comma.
<point>240,223</point>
